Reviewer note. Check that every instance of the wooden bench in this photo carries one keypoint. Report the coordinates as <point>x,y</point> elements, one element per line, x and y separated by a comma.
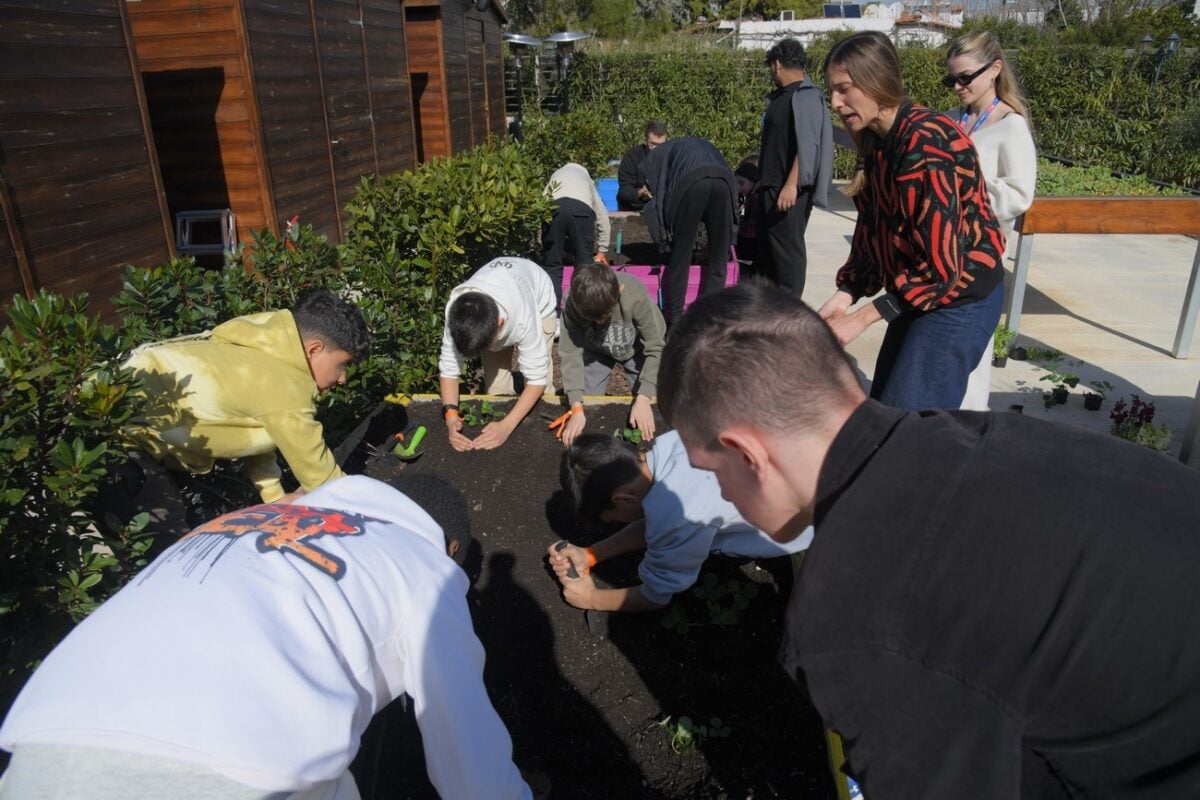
<point>1139,215</point>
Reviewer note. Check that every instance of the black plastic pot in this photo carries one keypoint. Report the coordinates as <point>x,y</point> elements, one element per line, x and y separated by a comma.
<point>999,361</point>
<point>1060,395</point>
<point>1092,401</point>
<point>1018,353</point>
<point>1017,408</point>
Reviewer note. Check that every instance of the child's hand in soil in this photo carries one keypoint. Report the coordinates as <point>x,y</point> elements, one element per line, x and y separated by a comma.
<point>493,435</point>
<point>561,560</point>
<point>573,427</point>
<point>641,416</point>
<point>458,441</point>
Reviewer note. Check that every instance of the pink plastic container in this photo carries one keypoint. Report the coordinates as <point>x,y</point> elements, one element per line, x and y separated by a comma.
<point>651,278</point>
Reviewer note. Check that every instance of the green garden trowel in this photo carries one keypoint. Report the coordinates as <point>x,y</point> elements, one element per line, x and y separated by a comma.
<point>408,442</point>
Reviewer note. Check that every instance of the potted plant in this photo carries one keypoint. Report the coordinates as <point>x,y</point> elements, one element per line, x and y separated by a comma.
<point>1000,341</point>
<point>1135,422</point>
<point>1093,399</point>
<point>1061,384</point>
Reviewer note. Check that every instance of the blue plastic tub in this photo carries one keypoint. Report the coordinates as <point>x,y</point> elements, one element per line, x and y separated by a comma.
<point>608,192</point>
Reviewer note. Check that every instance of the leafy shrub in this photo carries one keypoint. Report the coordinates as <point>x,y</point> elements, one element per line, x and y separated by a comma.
<point>1093,105</point>
<point>63,398</point>
<point>582,136</point>
<point>1056,179</point>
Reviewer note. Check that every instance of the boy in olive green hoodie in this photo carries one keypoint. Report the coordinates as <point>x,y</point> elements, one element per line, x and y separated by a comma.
<point>245,390</point>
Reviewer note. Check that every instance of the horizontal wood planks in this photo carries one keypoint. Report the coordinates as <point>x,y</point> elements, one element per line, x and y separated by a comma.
<point>192,56</point>
<point>1113,215</point>
<point>74,158</point>
<point>288,88</point>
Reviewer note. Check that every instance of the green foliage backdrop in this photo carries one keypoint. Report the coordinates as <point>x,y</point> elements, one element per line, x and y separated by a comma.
<point>1100,106</point>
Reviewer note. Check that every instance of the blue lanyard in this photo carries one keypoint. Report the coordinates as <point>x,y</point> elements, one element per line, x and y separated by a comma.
<point>966,112</point>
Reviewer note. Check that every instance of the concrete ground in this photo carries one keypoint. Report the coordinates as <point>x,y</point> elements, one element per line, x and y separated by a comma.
<point>1109,304</point>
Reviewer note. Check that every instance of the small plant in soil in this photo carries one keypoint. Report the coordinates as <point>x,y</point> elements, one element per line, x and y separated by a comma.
<point>631,435</point>
<point>1000,342</point>
<point>1135,421</point>
<point>1093,399</point>
<point>1061,384</point>
<point>684,734</point>
<point>725,600</point>
<point>478,416</point>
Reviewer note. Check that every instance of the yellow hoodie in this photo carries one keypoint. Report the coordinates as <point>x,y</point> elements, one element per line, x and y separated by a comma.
<point>240,390</point>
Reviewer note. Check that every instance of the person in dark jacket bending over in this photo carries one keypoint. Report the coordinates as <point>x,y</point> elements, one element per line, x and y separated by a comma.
<point>690,182</point>
<point>631,189</point>
<point>992,606</point>
<point>795,162</point>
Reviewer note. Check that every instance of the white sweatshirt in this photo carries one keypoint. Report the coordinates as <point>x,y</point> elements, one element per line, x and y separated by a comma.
<point>525,296</point>
<point>572,180</point>
<point>261,644</point>
<point>1008,160</point>
<point>686,519</point>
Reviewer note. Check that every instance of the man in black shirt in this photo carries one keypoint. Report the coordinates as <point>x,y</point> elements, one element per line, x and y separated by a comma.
<point>795,163</point>
<point>992,606</point>
<point>631,189</point>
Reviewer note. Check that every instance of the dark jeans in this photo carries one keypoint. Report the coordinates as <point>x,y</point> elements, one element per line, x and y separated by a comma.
<point>707,201</point>
<point>927,356</point>
<point>782,256</point>
<point>573,232</point>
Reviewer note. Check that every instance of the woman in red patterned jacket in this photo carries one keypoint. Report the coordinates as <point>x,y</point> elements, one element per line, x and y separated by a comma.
<point>926,235</point>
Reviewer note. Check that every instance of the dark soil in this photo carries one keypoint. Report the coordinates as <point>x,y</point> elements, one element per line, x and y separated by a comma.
<point>584,711</point>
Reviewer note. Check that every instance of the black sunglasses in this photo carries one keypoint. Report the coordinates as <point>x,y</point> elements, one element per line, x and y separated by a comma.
<point>950,81</point>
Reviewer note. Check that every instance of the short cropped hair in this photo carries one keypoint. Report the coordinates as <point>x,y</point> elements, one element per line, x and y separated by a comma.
<point>594,291</point>
<point>789,53</point>
<point>474,319</point>
<point>753,355</point>
<point>593,467</point>
<point>656,128</point>
<point>321,314</point>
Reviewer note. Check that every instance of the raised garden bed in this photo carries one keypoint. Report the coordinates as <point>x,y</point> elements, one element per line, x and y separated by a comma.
<point>586,711</point>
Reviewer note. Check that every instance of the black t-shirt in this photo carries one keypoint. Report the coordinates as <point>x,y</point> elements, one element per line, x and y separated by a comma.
<point>999,607</point>
<point>777,147</point>
<point>629,180</point>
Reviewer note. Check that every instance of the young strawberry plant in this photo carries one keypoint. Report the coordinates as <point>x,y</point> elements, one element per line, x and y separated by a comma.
<point>683,734</point>
<point>480,415</point>
<point>726,600</point>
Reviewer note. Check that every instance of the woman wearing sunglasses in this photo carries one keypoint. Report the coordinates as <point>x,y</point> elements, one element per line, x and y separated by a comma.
<point>926,235</point>
<point>993,112</point>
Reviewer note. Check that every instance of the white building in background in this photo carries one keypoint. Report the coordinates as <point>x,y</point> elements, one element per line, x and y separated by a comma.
<point>931,24</point>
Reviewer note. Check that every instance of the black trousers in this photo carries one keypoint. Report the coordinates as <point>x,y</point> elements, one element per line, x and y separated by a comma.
<point>571,233</point>
<point>782,257</point>
<point>707,201</point>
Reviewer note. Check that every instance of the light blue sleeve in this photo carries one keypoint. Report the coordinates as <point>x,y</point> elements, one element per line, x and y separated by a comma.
<point>673,560</point>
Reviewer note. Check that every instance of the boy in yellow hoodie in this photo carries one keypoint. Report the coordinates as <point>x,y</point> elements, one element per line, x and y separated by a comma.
<point>246,388</point>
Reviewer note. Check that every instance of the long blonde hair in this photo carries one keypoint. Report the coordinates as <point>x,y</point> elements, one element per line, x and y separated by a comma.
<point>871,61</point>
<point>984,47</point>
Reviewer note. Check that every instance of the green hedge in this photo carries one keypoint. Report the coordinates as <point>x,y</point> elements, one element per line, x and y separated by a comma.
<point>1094,105</point>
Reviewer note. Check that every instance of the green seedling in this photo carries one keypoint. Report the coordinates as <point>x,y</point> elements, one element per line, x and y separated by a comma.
<point>684,734</point>
<point>726,600</point>
<point>631,435</point>
<point>478,416</point>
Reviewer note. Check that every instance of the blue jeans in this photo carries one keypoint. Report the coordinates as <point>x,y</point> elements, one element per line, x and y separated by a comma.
<point>927,356</point>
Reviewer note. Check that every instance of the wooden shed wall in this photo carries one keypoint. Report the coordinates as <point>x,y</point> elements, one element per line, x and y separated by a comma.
<point>194,66</point>
<point>77,173</point>
<point>424,37</point>
<point>473,74</point>
<point>391,95</point>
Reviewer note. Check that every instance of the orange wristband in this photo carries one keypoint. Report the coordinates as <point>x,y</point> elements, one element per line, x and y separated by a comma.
<point>450,412</point>
<point>591,557</point>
